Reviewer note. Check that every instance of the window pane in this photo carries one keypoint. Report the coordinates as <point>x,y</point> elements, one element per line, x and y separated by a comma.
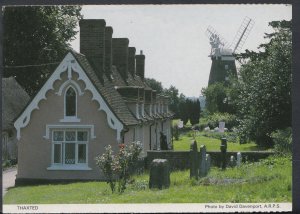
<point>70,136</point>
<point>81,153</point>
<point>58,135</point>
<point>82,136</point>
<point>70,102</point>
<point>57,153</point>
<point>70,153</point>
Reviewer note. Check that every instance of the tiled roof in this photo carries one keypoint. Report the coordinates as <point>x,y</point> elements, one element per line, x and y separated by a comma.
<point>107,90</point>
<point>115,100</point>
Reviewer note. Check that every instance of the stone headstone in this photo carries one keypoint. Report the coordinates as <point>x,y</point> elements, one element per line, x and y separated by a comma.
<point>208,162</point>
<point>194,160</point>
<point>221,126</point>
<point>232,161</point>
<point>238,159</point>
<point>159,174</point>
<point>202,161</point>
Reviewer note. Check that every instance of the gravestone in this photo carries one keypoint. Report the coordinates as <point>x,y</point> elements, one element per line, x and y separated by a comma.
<point>202,161</point>
<point>223,149</point>
<point>194,160</point>
<point>232,161</point>
<point>238,159</point>
<point>159,174</point>
<point>208,162</point>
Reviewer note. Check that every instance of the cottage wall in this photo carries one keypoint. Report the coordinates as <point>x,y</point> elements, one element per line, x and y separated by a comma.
<point>35,151</point>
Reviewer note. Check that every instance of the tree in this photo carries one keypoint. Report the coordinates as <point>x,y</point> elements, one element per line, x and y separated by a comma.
<point>264,87</point>
<point>172,92</point>
<point>155,85</point>
<point>183,110</point>
<point>34,36</point>
<point>195,112</point>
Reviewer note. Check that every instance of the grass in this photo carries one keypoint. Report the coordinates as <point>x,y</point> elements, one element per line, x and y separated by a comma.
<point>212,144</point>
<point>266,181</point>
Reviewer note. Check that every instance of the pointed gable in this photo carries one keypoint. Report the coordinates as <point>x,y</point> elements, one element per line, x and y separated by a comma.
<point>109,100</point>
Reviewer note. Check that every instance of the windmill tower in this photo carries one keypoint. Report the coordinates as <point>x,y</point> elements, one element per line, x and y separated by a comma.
<point>222,55</point>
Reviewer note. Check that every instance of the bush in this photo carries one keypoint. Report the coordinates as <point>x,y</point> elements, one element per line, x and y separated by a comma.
<point>119,167</point>
<point>230,136</point>
<point>282,141</point>
<point>213,120</point>
<point>176,132</point>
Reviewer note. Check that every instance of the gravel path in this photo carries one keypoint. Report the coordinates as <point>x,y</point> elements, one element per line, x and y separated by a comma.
<point>8,177</point>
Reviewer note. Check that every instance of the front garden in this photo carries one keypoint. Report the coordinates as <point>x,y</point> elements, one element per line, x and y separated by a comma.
<point>264,181</point>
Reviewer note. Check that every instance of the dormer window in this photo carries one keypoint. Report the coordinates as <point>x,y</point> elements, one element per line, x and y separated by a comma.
<point>70,105</point>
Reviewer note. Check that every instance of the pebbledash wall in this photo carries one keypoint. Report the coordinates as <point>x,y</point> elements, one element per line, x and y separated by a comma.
<point>181,159</point>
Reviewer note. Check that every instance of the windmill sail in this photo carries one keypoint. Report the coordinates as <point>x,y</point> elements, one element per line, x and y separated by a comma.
<point>222,55</point>
<point>242,34</point>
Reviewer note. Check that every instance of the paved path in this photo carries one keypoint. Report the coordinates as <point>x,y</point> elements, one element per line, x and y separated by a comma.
<point>9,177</point>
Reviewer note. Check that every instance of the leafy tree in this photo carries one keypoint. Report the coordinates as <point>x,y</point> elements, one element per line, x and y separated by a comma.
<point>154,84</point>
<point>216,97</point>
<point>195,112</point>
<point>264,88</point>
<point>182,108</point>
<point>172,92</point>
<point>35,35</point>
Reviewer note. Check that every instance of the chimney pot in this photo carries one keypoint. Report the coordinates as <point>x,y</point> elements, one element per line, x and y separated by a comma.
<point>108,51</point>
<point>92,42</point>
<point>120,55</point>
<point>131,60</point>
<point>140,65</point>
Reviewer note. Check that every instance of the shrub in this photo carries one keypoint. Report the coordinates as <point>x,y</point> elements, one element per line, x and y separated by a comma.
<point>176,132</point>
<point>282,141</point>
<point>213,120</point>
<point>118,167</point>
<point>107,164</point>
<point>230,136</point>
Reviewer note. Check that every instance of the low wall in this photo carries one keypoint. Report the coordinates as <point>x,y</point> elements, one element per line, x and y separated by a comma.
<point>181,159</point>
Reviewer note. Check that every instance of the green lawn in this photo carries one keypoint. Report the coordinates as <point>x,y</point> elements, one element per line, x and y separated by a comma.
<point>212,144</point>
<point>266,181</point>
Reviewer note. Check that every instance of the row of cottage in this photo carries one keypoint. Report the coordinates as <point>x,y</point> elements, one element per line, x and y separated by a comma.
<point>92,99</point>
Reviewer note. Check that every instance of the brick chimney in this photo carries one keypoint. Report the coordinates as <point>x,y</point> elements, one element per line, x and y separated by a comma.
<point>120,55</point>
<point>92,34</point>
<point>131,60</point>
<point>108,51</point>
<point>140,65</point>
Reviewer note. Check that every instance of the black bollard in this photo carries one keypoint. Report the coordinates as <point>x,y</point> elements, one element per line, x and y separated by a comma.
<point>223,148</point>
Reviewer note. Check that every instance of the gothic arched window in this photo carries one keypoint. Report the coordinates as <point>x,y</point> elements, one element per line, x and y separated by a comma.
<point>70,102</point>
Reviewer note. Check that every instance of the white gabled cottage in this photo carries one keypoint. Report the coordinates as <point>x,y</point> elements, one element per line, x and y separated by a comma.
<point>92,99</point>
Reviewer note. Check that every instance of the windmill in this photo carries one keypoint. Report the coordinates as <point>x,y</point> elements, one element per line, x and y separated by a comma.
<point>222,54</point>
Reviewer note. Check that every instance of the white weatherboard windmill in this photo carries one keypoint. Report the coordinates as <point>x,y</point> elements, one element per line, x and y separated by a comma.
<point>222,54</point>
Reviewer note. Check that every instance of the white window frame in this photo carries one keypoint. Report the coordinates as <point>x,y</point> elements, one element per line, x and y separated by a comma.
<point>63,165</point>
<point>70,118</point>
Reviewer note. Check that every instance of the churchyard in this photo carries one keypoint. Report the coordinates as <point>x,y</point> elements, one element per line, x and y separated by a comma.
<point>264,181</point>
<point>201,181</point>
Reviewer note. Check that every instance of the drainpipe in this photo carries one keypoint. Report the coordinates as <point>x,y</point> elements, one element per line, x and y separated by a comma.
<point>125,130</point>
<point>151,124</point>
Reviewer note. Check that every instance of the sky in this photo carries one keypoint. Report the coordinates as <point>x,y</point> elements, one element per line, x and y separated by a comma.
<point>173,37</point>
